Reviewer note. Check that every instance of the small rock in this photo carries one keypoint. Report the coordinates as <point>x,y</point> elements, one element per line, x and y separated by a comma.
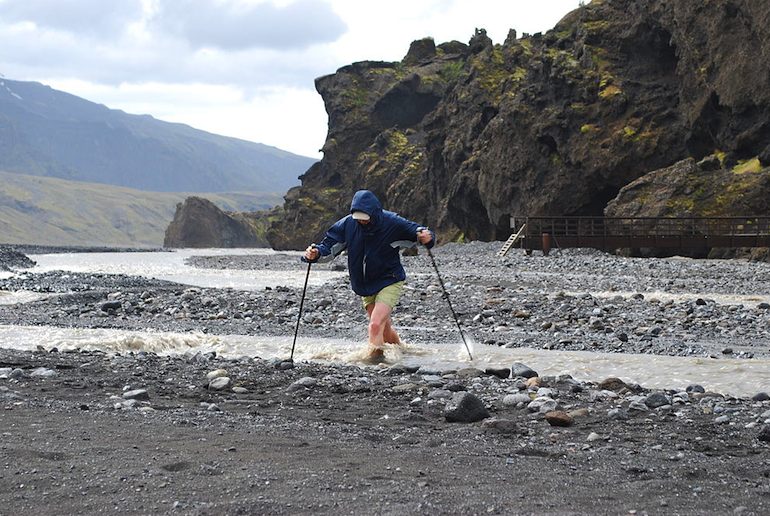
<point>593,436</point>
<point>464,407</point>
<point>136,394</point>
<point>42,372</point>
<point>761,396</point>
<point>303,383</point>
<point>532,383</point>
<point>619,414</point>
<point>521,370</point>
<point>110,306</point>
<point>469,372</point>
<point>612,384</point>
<point>216,373</point>
<point>405,387</point>
<point>695,388</point>
<point>220,383</point>
<point>500,426</point>
<point>578,413</point>
<point>656,400</point>
<point>439,394</point>
<point>513,400</point>
<point>284,365</point>
<point>542,405</point>
<point>500,372</point>
<point>558,418</point>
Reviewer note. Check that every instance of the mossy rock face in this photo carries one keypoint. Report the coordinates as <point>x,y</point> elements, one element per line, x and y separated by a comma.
<point>690,189</point>
<point>463,136</point>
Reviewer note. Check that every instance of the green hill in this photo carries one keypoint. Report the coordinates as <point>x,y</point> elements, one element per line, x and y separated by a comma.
<point>50,211</point>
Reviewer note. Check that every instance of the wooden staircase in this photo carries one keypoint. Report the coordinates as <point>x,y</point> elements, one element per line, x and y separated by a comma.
<point>511,241</point>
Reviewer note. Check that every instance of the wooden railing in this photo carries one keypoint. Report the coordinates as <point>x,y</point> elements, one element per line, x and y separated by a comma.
<point>638,232</point>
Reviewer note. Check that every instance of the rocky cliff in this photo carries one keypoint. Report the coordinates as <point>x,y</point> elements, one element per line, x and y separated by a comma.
<point>690,189</point>
<point>460,136</point>
<point>200,223</point>
<point>703,189</point>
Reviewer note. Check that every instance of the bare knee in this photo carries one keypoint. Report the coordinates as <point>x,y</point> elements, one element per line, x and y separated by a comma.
<point>375,327</point>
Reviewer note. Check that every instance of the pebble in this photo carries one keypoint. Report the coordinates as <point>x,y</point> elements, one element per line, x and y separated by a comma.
<point>513,400</point>
<point>542,405</point>
<point>136,394</point>
<point>592,437</point>
<point>216,373</point>
<point>500,426</point>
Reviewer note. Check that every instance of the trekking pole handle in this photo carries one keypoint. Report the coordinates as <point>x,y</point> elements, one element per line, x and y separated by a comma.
<point>314,246</point>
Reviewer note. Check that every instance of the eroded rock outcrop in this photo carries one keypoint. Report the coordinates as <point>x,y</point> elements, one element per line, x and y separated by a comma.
<point>463,136</point>
<point>13,259</point>
<point>704,189</point>
<point>200,223</point>
<point>690,189</point>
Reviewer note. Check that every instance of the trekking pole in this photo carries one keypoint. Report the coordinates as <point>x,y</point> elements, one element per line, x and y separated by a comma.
<point>446,295</point>
<point>301,304</point>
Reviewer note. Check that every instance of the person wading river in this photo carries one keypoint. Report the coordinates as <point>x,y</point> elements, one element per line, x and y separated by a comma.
<point>372,237</point>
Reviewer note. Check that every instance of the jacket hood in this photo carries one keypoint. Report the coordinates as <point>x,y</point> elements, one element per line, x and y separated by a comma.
<point>366,201</point>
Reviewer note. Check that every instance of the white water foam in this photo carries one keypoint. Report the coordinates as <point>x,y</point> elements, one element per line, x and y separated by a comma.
<point>729,376</point>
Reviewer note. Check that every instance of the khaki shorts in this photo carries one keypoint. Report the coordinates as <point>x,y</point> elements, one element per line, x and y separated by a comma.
<point>389,295</point>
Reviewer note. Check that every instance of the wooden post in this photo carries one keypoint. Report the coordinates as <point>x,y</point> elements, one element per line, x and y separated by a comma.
<point>546,244</point>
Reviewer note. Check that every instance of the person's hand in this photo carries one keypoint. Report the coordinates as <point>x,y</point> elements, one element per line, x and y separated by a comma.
<point>424,236</point>
<point>312,253</point>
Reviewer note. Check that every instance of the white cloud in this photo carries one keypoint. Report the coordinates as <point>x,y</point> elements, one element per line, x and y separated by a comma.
<point>83,17</point>
<point>242,68</point>
<point>233,25</point>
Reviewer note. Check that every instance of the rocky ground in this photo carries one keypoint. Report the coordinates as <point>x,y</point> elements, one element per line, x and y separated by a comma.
<point>89,432</point>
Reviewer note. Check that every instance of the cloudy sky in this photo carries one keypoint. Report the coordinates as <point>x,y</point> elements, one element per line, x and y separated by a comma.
<point>242,68</point>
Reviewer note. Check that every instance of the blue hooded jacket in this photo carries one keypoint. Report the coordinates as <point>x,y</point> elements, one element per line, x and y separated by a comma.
<point>372,262</point>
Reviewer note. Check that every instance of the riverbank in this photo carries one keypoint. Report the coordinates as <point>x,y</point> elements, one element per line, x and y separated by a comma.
<point>90,432</point>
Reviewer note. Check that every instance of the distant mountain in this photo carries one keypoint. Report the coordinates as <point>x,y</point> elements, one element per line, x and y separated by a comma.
<point>50,211</point>
<point>45,132</point>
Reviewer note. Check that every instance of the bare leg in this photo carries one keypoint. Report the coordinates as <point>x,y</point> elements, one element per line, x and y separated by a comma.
<point>380,328</point>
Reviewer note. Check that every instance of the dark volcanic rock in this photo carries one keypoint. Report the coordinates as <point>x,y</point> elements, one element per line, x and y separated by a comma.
<point>464,407</point>
<point>200,223</point>
<point>10,258</point>
<point>552,124</point>
<point>690,189</point>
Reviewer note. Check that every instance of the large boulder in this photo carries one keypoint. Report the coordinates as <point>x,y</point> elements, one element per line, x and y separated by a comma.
<point>200,223</point>
<point>13,259</point>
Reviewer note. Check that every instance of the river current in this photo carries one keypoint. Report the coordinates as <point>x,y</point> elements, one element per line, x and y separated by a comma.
<point>738,377</point>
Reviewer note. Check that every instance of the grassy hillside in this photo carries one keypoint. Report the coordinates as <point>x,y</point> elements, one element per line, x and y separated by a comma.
<point>49,211</point>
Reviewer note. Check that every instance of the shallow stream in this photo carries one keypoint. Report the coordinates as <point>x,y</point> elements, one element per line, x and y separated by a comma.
<point>739,377</point>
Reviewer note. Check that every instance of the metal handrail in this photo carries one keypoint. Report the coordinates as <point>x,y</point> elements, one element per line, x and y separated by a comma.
<point>645,226</point>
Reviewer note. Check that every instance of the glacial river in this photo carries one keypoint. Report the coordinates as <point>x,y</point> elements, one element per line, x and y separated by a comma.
<point>739,377</point>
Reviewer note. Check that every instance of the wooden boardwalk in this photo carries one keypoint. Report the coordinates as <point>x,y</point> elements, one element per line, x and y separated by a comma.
<point>686,233</point>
